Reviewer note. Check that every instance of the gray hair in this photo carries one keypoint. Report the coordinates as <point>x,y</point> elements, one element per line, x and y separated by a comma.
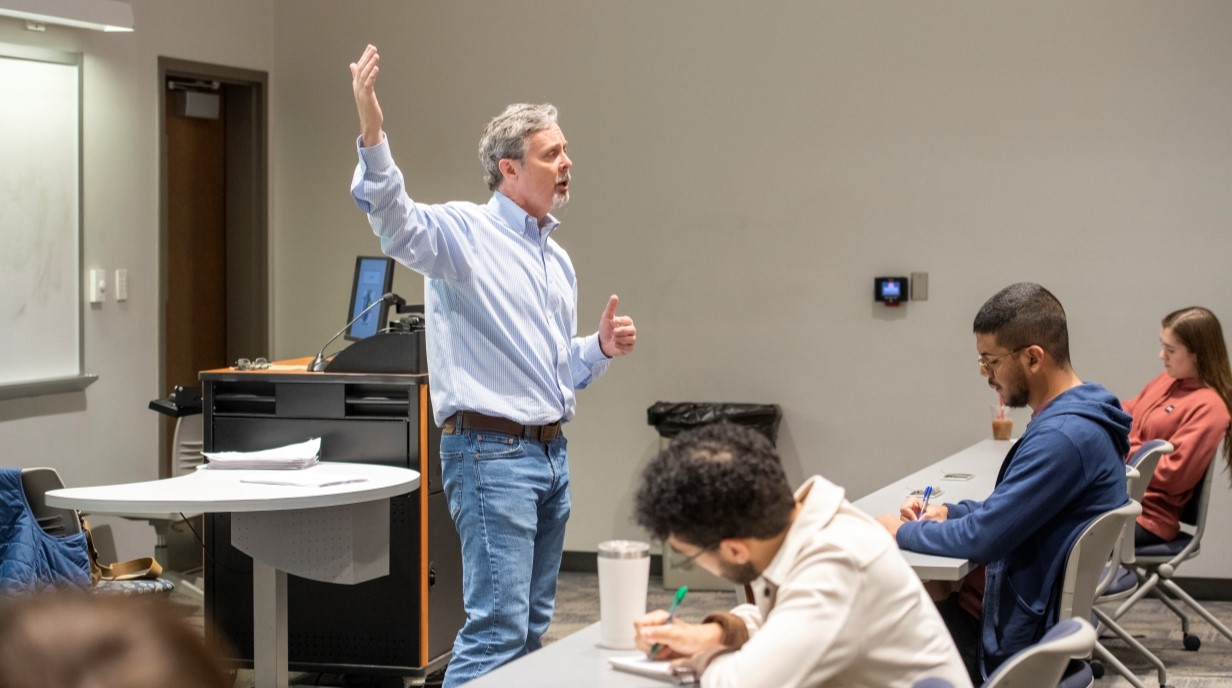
<point>505,137</point>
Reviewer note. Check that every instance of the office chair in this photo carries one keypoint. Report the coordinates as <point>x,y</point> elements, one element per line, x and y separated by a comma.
<point>1155,565</point>
<point>1087,573</point>
<point>187,444</point>
<point>1119,582</point>
<point>1041,664</point>
<point>36,482</point>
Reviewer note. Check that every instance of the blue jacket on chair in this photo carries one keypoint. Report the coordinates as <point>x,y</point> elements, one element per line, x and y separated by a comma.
<point>30,559</point>
<point>1066,469</point>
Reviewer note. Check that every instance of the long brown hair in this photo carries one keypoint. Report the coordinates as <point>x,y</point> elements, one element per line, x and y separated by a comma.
<point>1200,332</point>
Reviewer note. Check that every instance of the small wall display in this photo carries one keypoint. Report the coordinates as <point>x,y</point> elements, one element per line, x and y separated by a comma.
<point>890,290</point>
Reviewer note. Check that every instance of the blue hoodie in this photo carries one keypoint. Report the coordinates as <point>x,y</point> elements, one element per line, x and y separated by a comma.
<point>1065,470</point>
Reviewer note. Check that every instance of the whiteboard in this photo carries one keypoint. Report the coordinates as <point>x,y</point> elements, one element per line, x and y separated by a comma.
<point>40,221</point>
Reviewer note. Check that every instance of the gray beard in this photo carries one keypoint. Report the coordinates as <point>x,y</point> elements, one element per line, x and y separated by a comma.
<point>559,200</point>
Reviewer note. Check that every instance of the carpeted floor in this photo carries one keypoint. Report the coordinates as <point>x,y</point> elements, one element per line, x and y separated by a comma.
<point>1156,627</point>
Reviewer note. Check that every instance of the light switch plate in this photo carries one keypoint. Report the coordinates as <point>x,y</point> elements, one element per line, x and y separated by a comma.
<point>96,285</point>
<point>121,285</point>
<point>919,286</point>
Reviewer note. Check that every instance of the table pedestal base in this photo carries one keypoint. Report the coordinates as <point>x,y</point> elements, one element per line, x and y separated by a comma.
<point>341,544</point>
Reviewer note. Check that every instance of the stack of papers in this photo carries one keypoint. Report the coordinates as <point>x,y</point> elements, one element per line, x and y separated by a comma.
<point>292,456</point>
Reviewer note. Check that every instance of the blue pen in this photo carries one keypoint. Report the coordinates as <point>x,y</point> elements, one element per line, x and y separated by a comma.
<point>928,492</point>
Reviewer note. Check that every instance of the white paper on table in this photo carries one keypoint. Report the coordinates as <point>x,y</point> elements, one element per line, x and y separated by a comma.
<point>291,456</point>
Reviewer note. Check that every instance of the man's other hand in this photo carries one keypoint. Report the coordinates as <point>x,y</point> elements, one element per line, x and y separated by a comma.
<point>617,334</point>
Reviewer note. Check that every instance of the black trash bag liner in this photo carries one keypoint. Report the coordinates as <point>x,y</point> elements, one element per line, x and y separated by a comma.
<point>673,418</point>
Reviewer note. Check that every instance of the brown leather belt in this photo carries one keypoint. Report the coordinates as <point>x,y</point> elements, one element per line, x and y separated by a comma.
<point>469,420</point>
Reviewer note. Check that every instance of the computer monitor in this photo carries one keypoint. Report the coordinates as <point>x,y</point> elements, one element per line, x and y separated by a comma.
<point>374,277</point>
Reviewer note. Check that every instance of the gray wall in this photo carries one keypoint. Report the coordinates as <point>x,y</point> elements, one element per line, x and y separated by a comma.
<point>742,171</point>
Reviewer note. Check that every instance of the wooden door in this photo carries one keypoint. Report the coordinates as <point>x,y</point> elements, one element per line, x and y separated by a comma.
<point>195,298</point>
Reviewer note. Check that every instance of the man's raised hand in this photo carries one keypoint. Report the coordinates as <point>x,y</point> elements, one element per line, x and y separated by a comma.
<point>363,83</point>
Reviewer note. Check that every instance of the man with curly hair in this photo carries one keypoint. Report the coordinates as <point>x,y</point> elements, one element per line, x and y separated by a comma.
<point>834,603</point>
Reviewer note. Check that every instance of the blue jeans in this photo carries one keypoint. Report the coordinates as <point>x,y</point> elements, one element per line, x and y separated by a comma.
<point>509,499</point>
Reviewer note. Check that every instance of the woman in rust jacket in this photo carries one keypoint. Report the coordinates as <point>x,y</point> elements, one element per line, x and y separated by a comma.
<point>1190,405</point>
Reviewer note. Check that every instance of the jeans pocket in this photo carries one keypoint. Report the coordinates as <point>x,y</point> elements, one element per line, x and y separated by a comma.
<point>495,447</point>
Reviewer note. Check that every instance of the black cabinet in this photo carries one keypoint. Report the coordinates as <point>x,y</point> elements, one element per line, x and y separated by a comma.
<point>400,624</point>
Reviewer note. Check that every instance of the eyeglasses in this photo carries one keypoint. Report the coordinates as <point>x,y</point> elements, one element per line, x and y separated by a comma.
<point>245,364</point>
<point>987,364</point>
<point>686,563</point>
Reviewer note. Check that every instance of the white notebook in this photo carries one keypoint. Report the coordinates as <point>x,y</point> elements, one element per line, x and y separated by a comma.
<point>657,669</point>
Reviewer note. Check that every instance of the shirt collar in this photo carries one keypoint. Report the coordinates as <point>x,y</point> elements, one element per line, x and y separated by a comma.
<point>519,219</point>
<point>820,500</point>
<point>1188,383</point>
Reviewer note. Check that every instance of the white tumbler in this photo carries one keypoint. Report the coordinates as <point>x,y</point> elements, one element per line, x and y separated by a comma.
<point>624,571</point>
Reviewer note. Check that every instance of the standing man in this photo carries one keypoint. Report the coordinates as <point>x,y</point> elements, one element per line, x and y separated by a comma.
<point>501,302</point>
<point>834,602</point>
<point>1066,469</point>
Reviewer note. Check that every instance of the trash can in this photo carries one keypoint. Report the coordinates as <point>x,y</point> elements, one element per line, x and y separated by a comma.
<point>673,418</point>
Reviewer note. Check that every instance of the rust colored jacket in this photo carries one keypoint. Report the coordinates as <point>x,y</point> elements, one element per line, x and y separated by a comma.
<point>1194,419</point>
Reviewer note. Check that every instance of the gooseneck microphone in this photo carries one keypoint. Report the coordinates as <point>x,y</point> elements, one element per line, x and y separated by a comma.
<point>318,364</point>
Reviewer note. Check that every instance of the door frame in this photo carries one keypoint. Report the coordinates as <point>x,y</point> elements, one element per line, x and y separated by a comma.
<point>248,255</point>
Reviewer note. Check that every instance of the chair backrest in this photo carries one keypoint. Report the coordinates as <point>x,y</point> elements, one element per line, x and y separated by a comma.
<point>1143,462</point>
<point>1194,512</point>
<point>36,482</point>
<point>1185,546</point>
<point>1043,663</point>
<point>1138,473</point>
<point>187,444</point>
<point>1088,558</point>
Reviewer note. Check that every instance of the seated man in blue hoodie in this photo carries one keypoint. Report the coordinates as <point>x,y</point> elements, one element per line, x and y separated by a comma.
<point>1066,469</point>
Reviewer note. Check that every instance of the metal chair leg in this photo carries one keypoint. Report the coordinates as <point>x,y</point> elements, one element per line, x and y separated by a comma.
<point>1138,647</point>
<point>1176,591</point>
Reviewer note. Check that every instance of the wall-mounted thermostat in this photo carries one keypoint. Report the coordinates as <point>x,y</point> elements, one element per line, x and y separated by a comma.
<point>890,290</point>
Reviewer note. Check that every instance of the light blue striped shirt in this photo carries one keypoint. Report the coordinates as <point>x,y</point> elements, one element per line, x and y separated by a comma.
<point>500,296</point>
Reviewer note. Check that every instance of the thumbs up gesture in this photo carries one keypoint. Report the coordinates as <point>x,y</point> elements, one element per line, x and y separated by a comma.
<point>617,335</point>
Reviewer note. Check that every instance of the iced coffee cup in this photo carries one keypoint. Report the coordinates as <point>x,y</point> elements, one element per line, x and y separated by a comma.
<point>1002,425</point>
<point>1002,428</point>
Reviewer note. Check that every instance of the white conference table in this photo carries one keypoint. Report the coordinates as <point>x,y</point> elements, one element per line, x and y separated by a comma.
<point>334,533</point>
<point>578,660</point>
<point>575,660</point>
<point>982,460</point>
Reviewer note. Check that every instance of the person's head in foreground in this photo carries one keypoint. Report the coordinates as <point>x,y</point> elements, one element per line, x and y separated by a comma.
<point>710,489</point>
<point>76,640</point>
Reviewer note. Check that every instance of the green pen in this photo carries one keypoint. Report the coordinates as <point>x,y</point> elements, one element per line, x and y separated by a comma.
<point>671,611</point>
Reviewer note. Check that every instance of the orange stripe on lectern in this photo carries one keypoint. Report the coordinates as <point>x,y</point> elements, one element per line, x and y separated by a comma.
<point>423,524</point>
